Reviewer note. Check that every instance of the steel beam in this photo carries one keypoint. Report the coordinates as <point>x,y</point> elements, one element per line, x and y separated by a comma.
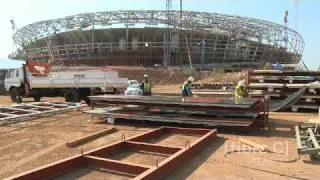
<point>152,147</point>
<point>52,170</point>
<point>117,166</point>
<point>313,139</point>
<point>90,137</point>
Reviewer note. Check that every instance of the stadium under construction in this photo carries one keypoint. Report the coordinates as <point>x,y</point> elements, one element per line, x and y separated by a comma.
<point>151,38</point>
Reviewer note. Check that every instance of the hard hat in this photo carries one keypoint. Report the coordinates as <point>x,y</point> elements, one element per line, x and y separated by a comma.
<point>190,79</point>
<point>241,83</point>
<point>145,75</point>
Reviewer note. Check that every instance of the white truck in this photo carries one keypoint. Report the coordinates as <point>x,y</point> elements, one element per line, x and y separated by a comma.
<point>73,85</point>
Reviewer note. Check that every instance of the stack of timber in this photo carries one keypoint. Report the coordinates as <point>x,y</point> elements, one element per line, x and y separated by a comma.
<point>287,89</point>
<point>192,110</point>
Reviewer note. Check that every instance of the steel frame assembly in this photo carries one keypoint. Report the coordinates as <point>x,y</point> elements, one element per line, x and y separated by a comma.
<point>195,110</point>
<point>224,38</point>
<point>21,112</point>
<point>100,157</point>
<point>308,140</point>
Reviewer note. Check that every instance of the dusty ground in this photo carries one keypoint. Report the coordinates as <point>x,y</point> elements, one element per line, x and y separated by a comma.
<point>28,145</point>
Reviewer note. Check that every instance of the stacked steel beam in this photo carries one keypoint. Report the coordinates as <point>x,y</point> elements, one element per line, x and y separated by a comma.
<point>191,110</point>
<point>288,89</point>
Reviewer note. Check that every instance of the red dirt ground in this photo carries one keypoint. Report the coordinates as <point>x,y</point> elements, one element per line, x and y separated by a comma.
<point>27,145</point>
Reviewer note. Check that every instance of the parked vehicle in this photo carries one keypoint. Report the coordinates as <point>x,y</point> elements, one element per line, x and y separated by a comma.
<point>133,88</point>
<point>37,80</point>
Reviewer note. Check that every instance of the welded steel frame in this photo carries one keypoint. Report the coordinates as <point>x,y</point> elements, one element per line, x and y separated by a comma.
<point>308,140</point>
<point>22,112</point>
<point>261,31</point>
<point>99,156</point>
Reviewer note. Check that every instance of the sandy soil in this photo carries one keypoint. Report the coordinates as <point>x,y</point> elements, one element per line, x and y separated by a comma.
<point>5,100</point>
<point>27,145</point>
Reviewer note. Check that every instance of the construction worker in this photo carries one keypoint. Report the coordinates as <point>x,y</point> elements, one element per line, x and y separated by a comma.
<point>146,86</point>
<point>185,88</point>
<point>277,66</point>
<point>240,91</point>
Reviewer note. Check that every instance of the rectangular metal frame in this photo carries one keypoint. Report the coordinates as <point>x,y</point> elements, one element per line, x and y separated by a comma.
<point>21,112</point>
<point>98,157</point>
<point>308,140</point>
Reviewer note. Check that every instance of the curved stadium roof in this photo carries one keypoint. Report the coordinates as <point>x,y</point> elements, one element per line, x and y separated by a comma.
<point>253,29</point>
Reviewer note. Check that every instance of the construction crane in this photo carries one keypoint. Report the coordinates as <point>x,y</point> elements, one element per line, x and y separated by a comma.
<point>13,28</point>
<point>285,22</point>
<point>296,3</point>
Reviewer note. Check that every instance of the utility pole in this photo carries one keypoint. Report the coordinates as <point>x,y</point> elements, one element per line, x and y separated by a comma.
<point>93,37</point>
<point>167,48</point>
<point>180,37</point>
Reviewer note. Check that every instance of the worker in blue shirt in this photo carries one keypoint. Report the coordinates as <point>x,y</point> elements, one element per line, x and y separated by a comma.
<point>185,88</point>
<point>277,66</point>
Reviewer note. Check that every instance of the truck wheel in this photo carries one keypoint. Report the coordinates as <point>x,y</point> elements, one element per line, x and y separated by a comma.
<point>71,96</point>
<point>19,99</point>
<point>87,100</point>
<point>36,95</point>
<point>14,94</point>
<point>37,98</point>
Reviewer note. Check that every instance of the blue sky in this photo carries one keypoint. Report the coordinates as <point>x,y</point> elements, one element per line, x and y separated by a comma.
<point>28,11</point>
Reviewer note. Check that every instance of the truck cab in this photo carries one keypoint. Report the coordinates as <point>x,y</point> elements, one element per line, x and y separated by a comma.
<point>14,82</point>
<point>14,78</point>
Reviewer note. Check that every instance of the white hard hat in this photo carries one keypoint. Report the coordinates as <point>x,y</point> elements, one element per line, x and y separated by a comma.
<point>241,83</point>
<point>190,79</point>
<point>145,75</point>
